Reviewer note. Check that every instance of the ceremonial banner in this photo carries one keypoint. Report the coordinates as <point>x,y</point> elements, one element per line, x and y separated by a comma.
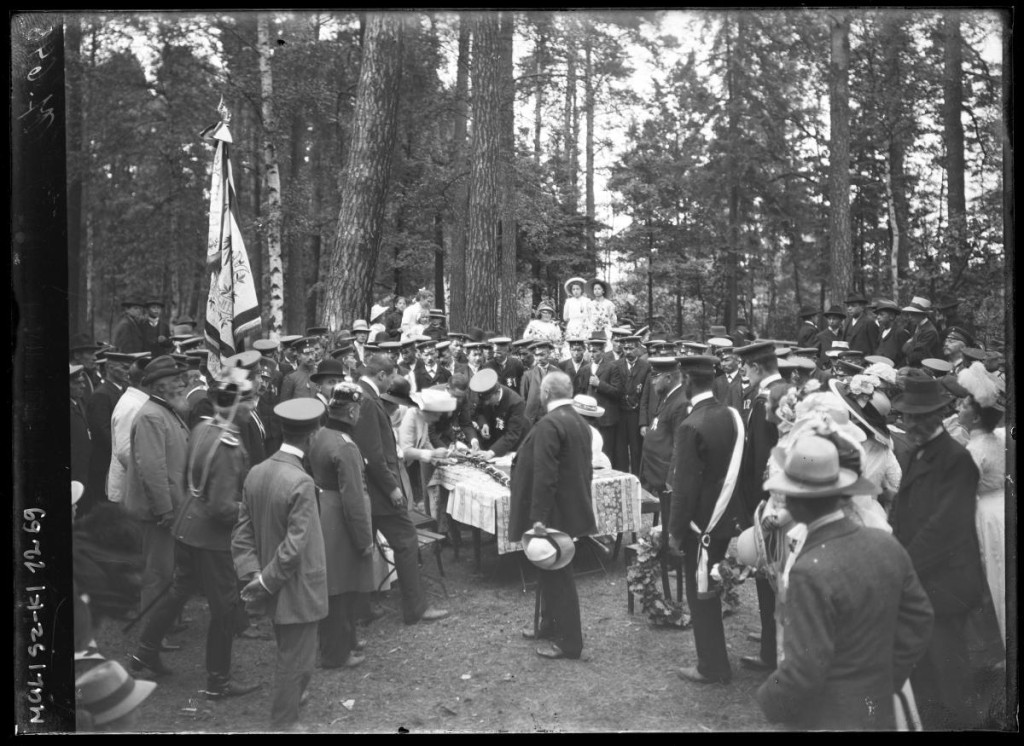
<point>231,309</point>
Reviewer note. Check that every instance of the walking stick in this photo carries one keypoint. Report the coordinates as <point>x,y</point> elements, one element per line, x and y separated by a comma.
<point>149,606</point>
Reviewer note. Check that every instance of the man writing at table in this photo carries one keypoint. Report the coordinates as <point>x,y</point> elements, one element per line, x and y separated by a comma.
<point>551,488</point>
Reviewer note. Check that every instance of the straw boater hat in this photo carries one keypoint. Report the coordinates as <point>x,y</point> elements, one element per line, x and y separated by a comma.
<point>359,325</point>
<point>552,550</point>
<point>810,468</point>
<point>574,281</point>
<point>918,305</point>
<point>587,406</point>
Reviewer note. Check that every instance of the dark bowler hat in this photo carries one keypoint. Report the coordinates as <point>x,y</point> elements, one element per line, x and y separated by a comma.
<point>855,298</point>
<point>835,310</point>
<point>156,303</point>
<point>697,363</point>
<point>476,334</point>
<point>328,368</point>
<point>398,393</point>
<point>884,304</point>
<point>484,381</point>
<point>301,415</point>
<point>132,302</point>
<point>921,395</point>
<point>756,351</point>
<point>162,367</point>
<point>807,312</point>
<point>663,364</point>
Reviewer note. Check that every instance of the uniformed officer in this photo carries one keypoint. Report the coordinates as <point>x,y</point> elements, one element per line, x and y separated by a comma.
<point>509,369</point>
<point>500,416</point>
<point>297,383</point>
<point>656,466</point>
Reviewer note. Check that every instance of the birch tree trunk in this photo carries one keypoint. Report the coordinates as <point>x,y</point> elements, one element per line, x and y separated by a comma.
<point>365,180</point>
<point>894,228</point>
<point>273,174</point>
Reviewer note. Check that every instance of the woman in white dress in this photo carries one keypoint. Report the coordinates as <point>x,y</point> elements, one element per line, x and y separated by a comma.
<point>544,326</point>
<point>981,414</point>
<point>602,310</point>
<point>576,311</point>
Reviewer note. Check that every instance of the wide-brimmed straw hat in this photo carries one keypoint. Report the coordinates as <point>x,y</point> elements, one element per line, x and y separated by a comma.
<point>810,468</point>
<point>552,550</point>
<point>587,406</point>
<point>867,416</point>
<point>574,281</point>
<point>918,305</point>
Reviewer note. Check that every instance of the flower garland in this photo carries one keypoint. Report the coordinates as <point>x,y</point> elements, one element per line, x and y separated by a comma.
<point>489,469</point>
<point>643,579</point>
<point>728,575</point>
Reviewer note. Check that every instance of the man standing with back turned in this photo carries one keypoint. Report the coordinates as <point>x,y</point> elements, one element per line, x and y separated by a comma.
<point>551,477</point>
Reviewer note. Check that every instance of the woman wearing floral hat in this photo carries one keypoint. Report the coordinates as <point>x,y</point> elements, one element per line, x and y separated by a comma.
<point>544,326</point>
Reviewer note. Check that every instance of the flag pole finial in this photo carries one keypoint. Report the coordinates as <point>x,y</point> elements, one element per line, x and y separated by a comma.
<point>225,115</point>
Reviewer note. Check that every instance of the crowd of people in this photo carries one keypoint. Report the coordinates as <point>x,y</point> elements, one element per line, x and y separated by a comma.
<point>861,467</point>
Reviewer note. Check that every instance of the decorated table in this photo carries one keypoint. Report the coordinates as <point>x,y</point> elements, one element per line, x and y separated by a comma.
<point>479,499</point>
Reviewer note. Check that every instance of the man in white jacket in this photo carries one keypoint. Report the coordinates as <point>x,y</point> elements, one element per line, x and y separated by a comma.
<point>121,419</point>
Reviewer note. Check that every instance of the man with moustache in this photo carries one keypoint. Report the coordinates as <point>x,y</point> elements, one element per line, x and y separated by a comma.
<point>728,387</point>
<point>635,372</point>
<point>606,385</point>
<point>656,466</point>
<point>576,366</point>
<point>428,370</point>
<point>510,370</point>
<point>156,471</point>
<point>542,350</point>
<point>298,383</point>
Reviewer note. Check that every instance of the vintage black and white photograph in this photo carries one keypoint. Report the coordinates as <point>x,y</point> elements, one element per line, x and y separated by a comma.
<point>514,371</point>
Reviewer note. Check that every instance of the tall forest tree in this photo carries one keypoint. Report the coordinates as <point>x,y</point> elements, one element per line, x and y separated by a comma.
<point>840,254</point>
<point>273,175</point>
<point>353,261</point>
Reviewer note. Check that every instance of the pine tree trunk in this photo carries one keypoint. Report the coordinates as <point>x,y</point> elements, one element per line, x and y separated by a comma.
<point>732,251</point>
<point>353,259</point>
<point>482,246</point>
<point>953,139</point>
<point>458,213</point>
<point>588,110</point>
<point>507,311</point>
<point>570,121</point>
<point>273,223</point>
<point>840,251</point>
<point>538,101</point>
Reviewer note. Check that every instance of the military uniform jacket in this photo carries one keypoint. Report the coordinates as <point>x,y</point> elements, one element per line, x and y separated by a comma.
<point>531,391</point>
<point>703,449</point>
<point>923,344</point>
<point>278,535</point>
<point>506,421</point>
<point>891,345</point>
<point>127,335</point>
<point>635,379</point>
<point>510,374</point>
<point>608,391</point>
<point>217,467</point>
<point>856,622</point>
<point>345,515</point>
<point>581,379</point>
<point>156,467</point>
<point>933,517</point>
<point>297,384</point>
<point>375,438</point>
<point>729,393</point>
<point>81,444</point>
<point>551,477</point>
<point>656,464</point>
<point>807,334</point>
<point>862,334</point>
<point>762,434</point>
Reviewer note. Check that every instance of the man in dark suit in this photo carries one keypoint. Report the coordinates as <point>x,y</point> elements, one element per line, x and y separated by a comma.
<point>81,439</point>
<point>99,410</point>
<point>156,332</point>
<point>728,387</point>
<point>761,435</point>
<point>708,447</point>
<point>924,342</point>
<point>891,336</point>
<point>86,353</point>
<point>860,330</point>
<point>500,415</point>
<point>635,372</point>
<point>834,318</point>
<point>606,385</point>
<point>127,333</point>
<point>550,487</point>
<point>576,367</point>
<point>277,546</point>
<point>807,334</point>
<point>510,369</point>
<point>857,617</point>
<point>376,440</point>
<point>542,351</point>
<point>933,517</point>
<point>297,383</point>
<point>428,371</point>
<point>657,464</point>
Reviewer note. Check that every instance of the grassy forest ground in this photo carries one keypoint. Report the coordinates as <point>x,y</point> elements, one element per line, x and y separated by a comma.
<point>473,672</point>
